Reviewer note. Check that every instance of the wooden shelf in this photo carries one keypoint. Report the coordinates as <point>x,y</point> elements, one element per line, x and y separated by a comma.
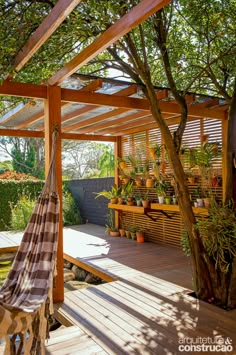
<point>163,208</point>
<point>175,208</point>
<point>126,208</point>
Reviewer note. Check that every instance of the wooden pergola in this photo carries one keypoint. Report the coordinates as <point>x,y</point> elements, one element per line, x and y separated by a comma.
<point>97,109</point>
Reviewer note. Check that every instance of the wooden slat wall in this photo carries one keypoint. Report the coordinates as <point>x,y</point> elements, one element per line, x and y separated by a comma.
<point>167,230</point>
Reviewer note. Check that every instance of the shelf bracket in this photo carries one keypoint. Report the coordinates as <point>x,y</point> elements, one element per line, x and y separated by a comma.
<point>155,219</point>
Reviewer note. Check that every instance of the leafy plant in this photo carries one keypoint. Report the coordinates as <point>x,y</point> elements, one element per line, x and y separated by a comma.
<point>110,222</point>
<point>161,188</point>
<point>114,192</point>
<point>185,243</point>
<point>21,212</point>
<point>71,212</point>
<point>218,234</point>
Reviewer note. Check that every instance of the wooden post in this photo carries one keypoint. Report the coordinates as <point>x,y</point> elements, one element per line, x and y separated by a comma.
<point>224,154</point>
<point>117,153</point>
<point>52,118</point>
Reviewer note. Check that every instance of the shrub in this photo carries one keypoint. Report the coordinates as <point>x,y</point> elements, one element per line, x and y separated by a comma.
<point>21,212</point>
<point>71,213</point>
<point>13,175</point>
<point>10,192</point>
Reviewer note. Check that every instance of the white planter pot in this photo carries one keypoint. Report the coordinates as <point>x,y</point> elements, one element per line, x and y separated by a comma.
<point>161,199</point>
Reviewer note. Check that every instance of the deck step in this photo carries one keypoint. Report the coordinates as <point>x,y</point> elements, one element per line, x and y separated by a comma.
<point>72,340</point>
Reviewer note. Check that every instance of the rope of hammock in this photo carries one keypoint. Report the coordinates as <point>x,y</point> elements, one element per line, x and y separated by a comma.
<point>26,295</point>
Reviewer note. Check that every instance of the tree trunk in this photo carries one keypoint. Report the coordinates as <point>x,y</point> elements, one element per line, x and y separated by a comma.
<point>201,276</point>
<point>230,156</point>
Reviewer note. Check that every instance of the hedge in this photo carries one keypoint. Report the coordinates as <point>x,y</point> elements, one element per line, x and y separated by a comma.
<point>10,193</point>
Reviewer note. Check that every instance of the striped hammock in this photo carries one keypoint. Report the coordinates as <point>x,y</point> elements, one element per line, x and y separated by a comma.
<point>26,295</point>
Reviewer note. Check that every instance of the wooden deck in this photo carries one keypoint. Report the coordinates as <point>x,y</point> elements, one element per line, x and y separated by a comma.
<point>146,310</point>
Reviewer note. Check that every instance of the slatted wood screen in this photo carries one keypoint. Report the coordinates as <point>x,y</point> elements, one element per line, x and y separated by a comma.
<point>169,230</point>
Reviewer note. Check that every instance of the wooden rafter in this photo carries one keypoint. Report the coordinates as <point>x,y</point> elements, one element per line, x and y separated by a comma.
<point>129,123</point>
<point>35,118</point>
<point>11,114</point>
<point>169,121</point>
<point>132,124</point>
<point>58,14</point>
<point>129,21</point>
<point>93,120</point>
<point>130,90</point>
<point>123,92</point>
<point>93,86</point>
<point>208,103</point>
<point>113,122</point>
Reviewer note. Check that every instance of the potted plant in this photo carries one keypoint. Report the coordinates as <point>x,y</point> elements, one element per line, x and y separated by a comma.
<point>122,232</point>
<point>112,195</point>
<point>140,235</point>
<point>161,190</point>
<point>114,232</point>
<point>145,200</point>
<point>168,200</point>
<point>110,221</point>
<point>138,199</point>
<point>133,230</point>
<point>174,200</point>
<point>121,162</point>
<point>199,199</point>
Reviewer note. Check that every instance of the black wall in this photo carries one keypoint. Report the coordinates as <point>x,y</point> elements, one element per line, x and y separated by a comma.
<point>92,210</point>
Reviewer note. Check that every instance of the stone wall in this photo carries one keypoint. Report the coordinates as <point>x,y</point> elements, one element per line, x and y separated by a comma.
<point>92,210</point>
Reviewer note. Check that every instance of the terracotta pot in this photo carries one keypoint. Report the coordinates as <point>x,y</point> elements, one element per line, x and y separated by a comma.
<point>138,182</point>
<point>150,182</point>
<point>114,233</point>
<point>122,232</point>
<point>152,153</point>
<point>145,203</point>
<point>122,164</point>
<point>127,233</point>
<point>191,179</point>
<point>130,203</point>
<point>114,200</point>
<point>121,200</point>
<point>207,202</point>
<point>140,237</point>
<point>126,180</point>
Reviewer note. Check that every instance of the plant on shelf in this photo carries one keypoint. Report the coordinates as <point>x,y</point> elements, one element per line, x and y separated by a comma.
<point>138,199</point>
<point>121,163</point>
<point>155,151</point>
<point>203,158</point>
<point>111,195</point>
<point>128,192</point>
<point>161,191</point>
<point>146,199</point>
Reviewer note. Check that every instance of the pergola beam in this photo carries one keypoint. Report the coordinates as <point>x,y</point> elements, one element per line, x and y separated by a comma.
<point>20,133</point>
<point>54,19</point>
<point>23,90</point>
<point>129,21</point>
<point>40,134</point>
